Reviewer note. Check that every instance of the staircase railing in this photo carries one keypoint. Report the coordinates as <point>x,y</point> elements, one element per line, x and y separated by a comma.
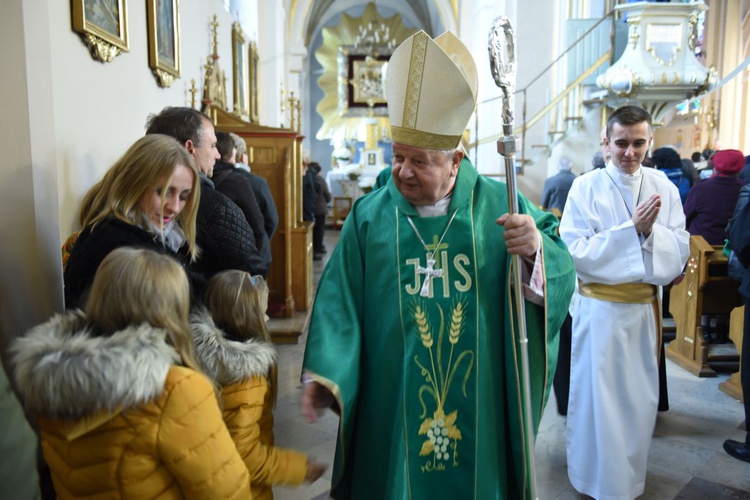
<point>527,123</point>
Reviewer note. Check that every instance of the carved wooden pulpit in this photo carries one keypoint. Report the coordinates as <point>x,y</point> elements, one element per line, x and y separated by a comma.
<point>276,155</point>
<point>706,289</point>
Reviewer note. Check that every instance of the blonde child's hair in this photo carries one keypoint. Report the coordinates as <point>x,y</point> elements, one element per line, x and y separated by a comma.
<point>237,302</point>
<point>134,286</point>
<point>148,164</point>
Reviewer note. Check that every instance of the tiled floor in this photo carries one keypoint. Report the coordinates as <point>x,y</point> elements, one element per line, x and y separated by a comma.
<point>687,444</point>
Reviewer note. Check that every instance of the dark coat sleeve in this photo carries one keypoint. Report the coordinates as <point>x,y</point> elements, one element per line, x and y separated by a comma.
<point>237,187</point>
<point>94,245</point>
<point>224,236</point>
<point>267,205</point>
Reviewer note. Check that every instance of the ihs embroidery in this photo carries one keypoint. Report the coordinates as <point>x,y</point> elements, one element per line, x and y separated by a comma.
<point>441,432</point>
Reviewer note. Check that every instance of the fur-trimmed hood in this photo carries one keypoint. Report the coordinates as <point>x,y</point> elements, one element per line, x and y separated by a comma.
<point>63,371</point>
<point>228,361</point>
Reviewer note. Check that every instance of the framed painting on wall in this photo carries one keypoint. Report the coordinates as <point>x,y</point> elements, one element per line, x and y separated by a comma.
<point>103,24</point>
<point>241,77</point>
<point>362,82</point>
<point>253,80</point>
<point>163,21</point>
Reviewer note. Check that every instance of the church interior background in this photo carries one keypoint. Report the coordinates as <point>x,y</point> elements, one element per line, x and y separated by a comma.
<point>80,79</point>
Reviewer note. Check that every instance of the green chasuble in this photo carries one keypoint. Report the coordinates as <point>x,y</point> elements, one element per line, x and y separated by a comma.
<point>428,387</point>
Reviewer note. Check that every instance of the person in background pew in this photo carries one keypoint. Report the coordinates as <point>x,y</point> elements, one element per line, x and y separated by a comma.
<point>668,161</point>
<point>739,237</point>
<point>262,194</point>
<point>555,192</point>
<point>234,348</point>
<point>235,185</point>
<point>148,199</point>
<point>554,196</point>
<point>625,230</point>
<point>223,234</point>
<point>322,199</point>
<point>711,201</point>
<point>123,409</point>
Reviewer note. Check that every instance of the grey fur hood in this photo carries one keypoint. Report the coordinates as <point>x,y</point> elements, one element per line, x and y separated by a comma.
<point>63,371</point>
<point>228,361</point>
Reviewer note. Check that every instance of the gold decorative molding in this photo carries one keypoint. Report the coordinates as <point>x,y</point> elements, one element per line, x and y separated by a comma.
<point>165,78</point>
<point>102,49</point>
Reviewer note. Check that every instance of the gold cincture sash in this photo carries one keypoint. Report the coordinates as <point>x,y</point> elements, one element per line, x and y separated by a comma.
<point>628,293</point>
<point>625,293</point>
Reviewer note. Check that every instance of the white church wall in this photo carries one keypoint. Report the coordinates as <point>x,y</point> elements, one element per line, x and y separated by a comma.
<point>30,281</point>
<point>535,49</point>
<point>100,109</point>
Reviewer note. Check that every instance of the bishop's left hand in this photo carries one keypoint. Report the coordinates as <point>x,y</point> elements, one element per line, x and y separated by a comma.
<point>521,234</point>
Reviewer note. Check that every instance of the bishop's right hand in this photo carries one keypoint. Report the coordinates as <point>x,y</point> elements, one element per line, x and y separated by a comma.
<point>315,399</point>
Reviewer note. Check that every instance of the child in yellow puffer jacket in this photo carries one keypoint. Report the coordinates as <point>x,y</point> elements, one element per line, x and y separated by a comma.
<point>123,409</point>
<point>234,348</point>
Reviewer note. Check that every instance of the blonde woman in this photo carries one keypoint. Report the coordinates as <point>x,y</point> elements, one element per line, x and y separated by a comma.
<point>234,348</point>
<point>123,409</point>
<point>148,199</point>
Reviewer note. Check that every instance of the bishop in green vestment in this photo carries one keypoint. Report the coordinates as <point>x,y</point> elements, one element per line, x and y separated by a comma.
<point>412,332</point>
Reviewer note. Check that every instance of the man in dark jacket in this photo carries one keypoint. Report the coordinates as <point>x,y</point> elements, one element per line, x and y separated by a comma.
<point>223,235</point>
<point>322,198</point>
<point>739,237</point>
<point>556,188</point>
<point>235,185</point>
<point>261,188</point>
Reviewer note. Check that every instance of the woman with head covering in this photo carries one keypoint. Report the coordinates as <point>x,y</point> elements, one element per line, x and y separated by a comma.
<point>148,199</point>
<point>711,201</point>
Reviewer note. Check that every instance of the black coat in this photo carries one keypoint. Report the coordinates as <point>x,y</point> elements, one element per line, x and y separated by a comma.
<point>235,185</point>
<point>309,195</point>
<point>224,236</point>
<point>93,245</point>
<point>265,201</point>
<point>323,196</point>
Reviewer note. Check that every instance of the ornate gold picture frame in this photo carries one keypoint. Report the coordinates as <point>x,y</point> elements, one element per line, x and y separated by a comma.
<point>241,77</point>
<point>253,81</point>
<point>103,24</point>
<point>163,19</point>
<point>361,89</point>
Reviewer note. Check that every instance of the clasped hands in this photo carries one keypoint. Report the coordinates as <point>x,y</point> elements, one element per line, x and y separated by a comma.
<point>645,215</point>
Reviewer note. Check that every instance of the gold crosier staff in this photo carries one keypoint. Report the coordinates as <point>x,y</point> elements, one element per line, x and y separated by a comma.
<point>502,37</point>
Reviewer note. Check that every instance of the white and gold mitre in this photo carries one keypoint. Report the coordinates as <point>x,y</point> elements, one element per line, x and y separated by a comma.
<point>431,87</point>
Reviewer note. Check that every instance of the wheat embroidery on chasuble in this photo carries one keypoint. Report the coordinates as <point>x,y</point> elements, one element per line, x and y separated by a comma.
<point>440,349</point>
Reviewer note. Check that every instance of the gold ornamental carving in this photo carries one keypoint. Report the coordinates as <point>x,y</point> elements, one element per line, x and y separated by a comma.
<point>101,49</point>
<point>165,79</point>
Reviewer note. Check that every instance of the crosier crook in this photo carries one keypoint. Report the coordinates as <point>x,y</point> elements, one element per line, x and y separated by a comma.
<point>504,73</point>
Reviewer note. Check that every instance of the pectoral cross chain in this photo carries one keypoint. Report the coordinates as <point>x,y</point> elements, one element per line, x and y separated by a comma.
<point>429,272</point>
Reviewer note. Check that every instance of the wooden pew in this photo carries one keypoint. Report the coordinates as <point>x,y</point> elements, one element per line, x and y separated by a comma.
<point>706,289</point>
<point>732,386</point>
<point>276,155</point>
